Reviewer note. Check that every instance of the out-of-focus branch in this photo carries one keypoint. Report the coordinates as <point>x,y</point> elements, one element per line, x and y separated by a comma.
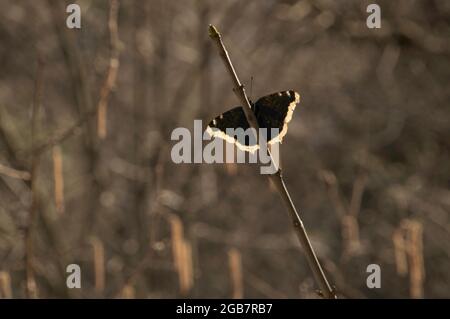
<point>111,76</point>
<point>263,287</point>
<point>14,173</point>
<point>107,87</point>
<point>357,194</point>
<point>333,192</point>
<point>31,288</point>
<point>348,214</point>
<point>63,135</point>
<point>77,68</point>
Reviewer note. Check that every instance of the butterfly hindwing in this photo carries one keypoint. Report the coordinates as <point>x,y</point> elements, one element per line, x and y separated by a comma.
<point>232,119</point>
<point>275,111</point>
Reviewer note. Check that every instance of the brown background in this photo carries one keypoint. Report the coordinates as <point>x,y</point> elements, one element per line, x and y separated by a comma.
<point>366,157</point>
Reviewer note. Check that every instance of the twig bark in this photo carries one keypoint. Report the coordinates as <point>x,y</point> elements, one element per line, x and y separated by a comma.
<point>276,178</point>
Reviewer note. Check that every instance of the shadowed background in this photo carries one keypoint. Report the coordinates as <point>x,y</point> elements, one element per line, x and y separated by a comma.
<point>86,175</point>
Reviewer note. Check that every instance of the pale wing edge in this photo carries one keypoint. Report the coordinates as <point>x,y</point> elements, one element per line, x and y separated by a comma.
<point>287,119</point>
<point>215,132</point>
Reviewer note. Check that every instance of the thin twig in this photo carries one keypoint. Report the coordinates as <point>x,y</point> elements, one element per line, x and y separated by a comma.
<point>113,68</point>
<point>107,87</point>
<point>14,173</point>
<point>347,213</point>
<point>276,178</point>
<point>263,287</point>
<point>64,135</point>
<point>77,69</point>
<point>31,289</point>
<point>357,194</point>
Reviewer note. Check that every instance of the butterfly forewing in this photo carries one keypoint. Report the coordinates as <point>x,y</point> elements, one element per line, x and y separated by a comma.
<point>275,111</point>
<point>236,121</point>
<point>233,118</point>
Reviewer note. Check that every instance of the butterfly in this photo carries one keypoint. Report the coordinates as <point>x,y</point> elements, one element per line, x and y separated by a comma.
<point>271,111</point>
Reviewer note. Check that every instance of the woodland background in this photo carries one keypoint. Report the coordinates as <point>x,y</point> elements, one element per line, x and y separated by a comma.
<point>85,169</point>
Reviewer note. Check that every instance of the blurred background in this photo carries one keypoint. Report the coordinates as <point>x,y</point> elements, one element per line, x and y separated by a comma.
<point>85,170</point>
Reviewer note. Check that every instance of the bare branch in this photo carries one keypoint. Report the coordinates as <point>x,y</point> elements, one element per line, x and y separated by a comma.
<point>31,288</point>
<point>14,173</point>
<point>111,76</point>
<point>276,178</point>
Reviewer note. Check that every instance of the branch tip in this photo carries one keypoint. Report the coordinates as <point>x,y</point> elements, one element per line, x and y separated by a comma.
<point>213,33</point>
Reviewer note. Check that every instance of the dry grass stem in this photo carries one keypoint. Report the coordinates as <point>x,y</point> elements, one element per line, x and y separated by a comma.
<point>401,262</point>
<point>99,265</point>
<point>182,255</point>
<point>416,264</point>
<point>187,277</point>
<point>113,68</point>
<point>408,245</point>
<point>5,285</point>
<point>235,265</point>
<point>128,292</point>
<point>58,179</point>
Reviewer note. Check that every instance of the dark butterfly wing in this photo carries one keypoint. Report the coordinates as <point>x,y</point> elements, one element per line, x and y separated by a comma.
<point>233,119</point>
<point>275,111</point>
<point>271,111</point>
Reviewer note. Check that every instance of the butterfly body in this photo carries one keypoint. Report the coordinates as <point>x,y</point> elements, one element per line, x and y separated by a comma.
<point>273,111</point>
